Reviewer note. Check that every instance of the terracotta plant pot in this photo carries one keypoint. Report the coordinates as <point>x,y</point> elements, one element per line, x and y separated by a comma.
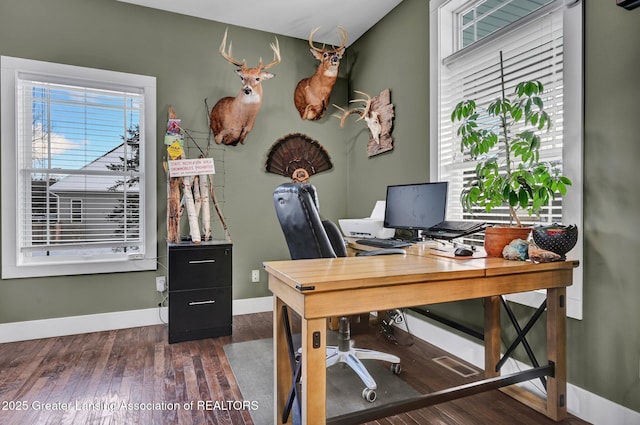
<point>496,238</point>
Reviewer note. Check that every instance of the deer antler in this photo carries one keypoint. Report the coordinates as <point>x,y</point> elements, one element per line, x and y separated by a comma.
<point>276,56</point>
<point>345,114</point>
<point>227,54</point>
<point>343,32</point>
<point>311,41</point>
<point>343,42</point>
<point>367,107</point>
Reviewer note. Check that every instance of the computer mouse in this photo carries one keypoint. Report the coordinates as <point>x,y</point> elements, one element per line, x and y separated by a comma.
<point>463,252</point>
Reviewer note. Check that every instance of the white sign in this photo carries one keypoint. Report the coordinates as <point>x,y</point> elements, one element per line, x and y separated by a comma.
<point>191,167</point>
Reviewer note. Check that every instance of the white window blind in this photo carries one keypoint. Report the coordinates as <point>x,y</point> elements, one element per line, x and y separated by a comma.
<point>80,169</point>
<point>534,51</point>
<point>83,144</point>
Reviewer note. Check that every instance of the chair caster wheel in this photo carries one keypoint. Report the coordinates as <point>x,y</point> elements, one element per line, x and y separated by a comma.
<point>369,395</point>
<point>396,368</point>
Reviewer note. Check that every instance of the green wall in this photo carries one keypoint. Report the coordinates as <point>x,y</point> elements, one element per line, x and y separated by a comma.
<point>399,60</point>
<point>604,347</point>
<point>182,53</point>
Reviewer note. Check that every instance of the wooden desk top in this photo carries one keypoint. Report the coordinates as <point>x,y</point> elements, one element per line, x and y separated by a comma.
<point>420,264</point>
<point>331,286</point>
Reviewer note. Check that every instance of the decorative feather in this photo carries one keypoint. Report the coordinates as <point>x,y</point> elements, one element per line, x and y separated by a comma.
<point>297,156</point>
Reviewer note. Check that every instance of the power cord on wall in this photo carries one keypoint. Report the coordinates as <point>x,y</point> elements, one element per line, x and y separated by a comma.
<point>164,302</point>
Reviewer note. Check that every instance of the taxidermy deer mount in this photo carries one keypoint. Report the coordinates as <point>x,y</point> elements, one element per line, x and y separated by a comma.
<point>312,94</point>
<point>232,118</point>
<point>377,113</point>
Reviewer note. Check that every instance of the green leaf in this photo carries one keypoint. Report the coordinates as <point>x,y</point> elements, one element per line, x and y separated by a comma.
<point>538,102</point>
<point>474,193</point>
<point>562,188</point>
<point>513,198</point>
<point>516,114</point>
<point>524,198</point>
<point>506,191</point>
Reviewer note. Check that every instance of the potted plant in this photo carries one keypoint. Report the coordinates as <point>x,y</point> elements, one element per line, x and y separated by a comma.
<point>507,149</point>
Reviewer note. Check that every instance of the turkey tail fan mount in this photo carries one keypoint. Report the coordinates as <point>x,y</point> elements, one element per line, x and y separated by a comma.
<point>297,156</point>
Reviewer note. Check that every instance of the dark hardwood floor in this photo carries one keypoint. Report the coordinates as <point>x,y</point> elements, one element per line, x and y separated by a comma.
<point>133,376</point>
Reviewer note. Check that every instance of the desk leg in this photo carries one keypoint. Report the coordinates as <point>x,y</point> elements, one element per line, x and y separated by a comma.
<point>314,373</point>
<point>491,336</point>
<point>557,353</point>
<point>282,368</point>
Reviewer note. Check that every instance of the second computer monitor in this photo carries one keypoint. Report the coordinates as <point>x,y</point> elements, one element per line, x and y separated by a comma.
<point>415,206</point>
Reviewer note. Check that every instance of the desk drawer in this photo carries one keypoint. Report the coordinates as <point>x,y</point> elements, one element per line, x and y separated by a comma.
<point>199,309</point>
<point>196,267</point>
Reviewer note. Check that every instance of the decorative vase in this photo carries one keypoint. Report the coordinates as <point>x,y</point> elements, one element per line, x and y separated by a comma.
<point>556,238</point>
<point>496,238</point>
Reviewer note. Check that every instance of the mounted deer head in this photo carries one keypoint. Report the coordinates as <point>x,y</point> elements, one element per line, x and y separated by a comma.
<point>312,94</point>
<point>371,117</point>
<point>232,118</point>
<point>377,112</point>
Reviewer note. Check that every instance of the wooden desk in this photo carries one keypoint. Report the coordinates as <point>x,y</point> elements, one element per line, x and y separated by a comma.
<point>321,288</point>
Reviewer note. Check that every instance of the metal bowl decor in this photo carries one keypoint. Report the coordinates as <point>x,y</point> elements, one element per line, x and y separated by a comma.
<point>556,238</point>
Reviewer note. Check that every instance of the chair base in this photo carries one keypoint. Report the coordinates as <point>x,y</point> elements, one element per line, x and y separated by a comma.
<point>353,357</point>
<point>345,353</point>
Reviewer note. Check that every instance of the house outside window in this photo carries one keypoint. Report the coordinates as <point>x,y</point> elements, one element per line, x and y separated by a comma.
<point>539,40</point>
<point>76,211</point>
<point>78,168</point>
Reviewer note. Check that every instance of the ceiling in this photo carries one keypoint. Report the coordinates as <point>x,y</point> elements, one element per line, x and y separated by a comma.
<point>294,18</point>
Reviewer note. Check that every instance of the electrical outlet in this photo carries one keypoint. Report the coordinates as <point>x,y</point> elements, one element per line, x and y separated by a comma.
<point>161,283</point>
<point>255,276</point>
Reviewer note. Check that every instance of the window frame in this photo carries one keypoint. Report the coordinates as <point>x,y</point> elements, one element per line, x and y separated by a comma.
<point>442,13</point>
<point>13,265</point>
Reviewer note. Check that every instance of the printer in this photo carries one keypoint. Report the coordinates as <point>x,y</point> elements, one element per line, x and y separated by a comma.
<point>370,227</point>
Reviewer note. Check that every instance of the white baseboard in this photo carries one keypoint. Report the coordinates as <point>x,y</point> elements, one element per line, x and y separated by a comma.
<point>252,305</point>
<point>581,403</point>
<point>60,326</point>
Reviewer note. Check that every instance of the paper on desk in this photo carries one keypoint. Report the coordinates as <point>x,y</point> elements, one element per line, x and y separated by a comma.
<point>378,210</point>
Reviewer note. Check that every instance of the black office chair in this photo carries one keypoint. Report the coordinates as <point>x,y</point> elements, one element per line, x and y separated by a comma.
<point>308,236</point>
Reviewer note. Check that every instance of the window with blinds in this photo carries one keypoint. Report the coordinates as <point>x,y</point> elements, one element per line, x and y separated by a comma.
<point>80,166</point>
<point>531,51</point>
<point>540,40</point>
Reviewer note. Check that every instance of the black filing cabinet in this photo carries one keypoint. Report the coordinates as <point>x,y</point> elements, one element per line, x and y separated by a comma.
<point>199,290</point>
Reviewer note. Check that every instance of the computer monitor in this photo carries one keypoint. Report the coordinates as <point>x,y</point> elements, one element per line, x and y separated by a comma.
<point>415,206</point>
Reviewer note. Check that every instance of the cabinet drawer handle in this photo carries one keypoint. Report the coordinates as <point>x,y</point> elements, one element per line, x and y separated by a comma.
<point>201,261</point>
<point>202,302</point>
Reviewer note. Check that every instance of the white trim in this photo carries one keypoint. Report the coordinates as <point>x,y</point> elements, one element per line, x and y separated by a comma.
<point>252,305</point>
<point>61,326</point>
<point>581,403</point>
